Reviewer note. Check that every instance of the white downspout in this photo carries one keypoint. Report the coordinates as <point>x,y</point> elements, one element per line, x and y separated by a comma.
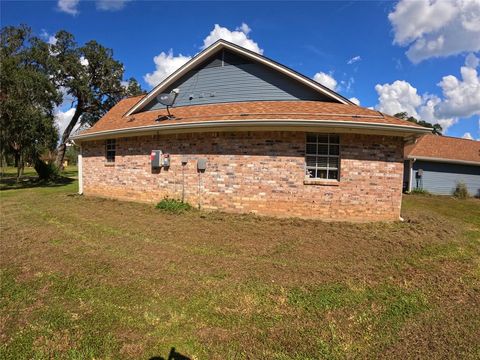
<point>80,172</point>
<point>410,181</point>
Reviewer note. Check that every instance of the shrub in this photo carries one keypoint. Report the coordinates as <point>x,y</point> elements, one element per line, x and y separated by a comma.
<point>461,191</point>
<point>173,206</point>
<point>46,172</point>
<point>419,192</point>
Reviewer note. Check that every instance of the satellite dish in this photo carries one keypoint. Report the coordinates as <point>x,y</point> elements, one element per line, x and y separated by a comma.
<point>168,100</point>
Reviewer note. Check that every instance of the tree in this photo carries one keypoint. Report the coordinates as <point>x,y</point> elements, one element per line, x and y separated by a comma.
<point>91,78</point>
<point>28,98</point>
<point>436,128</point>
<point>133,88</point>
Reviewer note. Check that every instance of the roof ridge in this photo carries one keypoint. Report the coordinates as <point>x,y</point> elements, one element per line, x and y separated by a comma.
<point>452,137</point>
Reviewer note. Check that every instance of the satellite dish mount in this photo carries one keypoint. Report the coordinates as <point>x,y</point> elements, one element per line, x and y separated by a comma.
<point>168,100</point>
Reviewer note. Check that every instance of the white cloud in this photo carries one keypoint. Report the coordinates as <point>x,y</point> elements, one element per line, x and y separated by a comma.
<point>426,112</point>
<point>472,61</point>
<point>50,39</point>
<point>84,61</point>
<point>68,6</point>
<point>436,28</point>
<point>461,97</point>
<point>354,59</point>
<point>326,80</point>
<point>238,36</point>
<point>165,64</point>
<point>111,5</point>
<point>346,84</point>
<point>401,96</point>
<point>467,135</point>
<point>355,100</point>
<point>62,119</point>
<point>398,97</point>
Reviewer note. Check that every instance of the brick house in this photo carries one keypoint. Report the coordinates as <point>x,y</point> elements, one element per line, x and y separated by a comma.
<point>247,134</point>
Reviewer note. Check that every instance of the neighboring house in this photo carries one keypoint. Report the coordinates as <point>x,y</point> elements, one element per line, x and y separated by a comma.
<point>437,163</point>
<point>249,135</point>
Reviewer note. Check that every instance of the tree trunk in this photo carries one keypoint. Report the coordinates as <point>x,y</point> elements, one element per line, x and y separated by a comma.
<point>20,166</point>
<point>66,134</point>
<point>16,159</point>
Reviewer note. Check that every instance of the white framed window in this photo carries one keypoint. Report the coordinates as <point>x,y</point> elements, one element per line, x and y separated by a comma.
<point>110,149</point>
<point>322,156</point>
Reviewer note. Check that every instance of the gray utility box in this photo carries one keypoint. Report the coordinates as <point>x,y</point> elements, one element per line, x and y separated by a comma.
<point>202,164</point>
<point>156,159</point>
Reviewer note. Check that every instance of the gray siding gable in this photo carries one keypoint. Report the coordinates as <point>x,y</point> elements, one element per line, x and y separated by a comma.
<point>227,77</point>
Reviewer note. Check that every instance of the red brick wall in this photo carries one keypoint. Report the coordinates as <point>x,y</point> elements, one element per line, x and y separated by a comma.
<point>260,172</point>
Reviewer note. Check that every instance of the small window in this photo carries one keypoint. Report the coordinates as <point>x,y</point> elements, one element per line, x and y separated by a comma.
<point>110,150</point>
<point>322,156</point>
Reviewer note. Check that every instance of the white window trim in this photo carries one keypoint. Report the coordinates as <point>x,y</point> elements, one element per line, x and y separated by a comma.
<point>316,167</point>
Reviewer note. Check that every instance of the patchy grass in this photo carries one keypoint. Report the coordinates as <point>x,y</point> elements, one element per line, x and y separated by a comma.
<point>93,278</point>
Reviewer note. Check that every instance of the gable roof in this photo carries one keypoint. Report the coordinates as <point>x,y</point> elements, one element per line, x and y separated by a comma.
<point>247,115</point>
<point>444,149</point>
<point>223,44</point>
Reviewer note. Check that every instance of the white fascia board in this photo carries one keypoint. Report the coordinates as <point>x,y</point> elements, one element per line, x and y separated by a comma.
<point>443,160</point>
<point>223,44</point>
<point>255,124</point>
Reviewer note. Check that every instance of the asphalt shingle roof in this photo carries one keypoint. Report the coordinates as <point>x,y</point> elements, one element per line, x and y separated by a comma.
<point>115,119</point>
<point>444,147</point>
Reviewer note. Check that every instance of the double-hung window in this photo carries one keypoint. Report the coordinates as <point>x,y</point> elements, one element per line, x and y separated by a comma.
<point>322,156</point>
<point>110,150</point>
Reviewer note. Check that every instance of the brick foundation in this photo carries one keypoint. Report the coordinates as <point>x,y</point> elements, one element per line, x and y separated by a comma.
<point>259,172</point>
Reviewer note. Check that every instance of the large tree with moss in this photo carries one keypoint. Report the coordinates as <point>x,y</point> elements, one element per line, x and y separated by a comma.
<point>36,77</point>
<point>90,78</point>
<point>27,99</point>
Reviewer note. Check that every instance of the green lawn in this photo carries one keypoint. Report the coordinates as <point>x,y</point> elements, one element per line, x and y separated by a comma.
<point>92,278</point>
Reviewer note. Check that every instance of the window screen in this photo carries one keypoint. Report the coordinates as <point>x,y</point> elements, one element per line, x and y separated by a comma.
<point>322,156</point>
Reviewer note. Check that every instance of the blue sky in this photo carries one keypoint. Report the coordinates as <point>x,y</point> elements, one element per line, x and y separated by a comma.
<point>393,56</point>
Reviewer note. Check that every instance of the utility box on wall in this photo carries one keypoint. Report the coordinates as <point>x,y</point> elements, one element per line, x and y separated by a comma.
<point>201,164</point>
<point>165,160</point>
<point>156,159</point>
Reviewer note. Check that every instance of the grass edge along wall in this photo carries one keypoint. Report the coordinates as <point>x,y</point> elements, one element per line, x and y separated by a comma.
<point>262,172</point>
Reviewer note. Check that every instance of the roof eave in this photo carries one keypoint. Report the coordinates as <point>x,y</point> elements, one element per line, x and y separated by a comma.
<point>443,160</point>
<point>257,125</point>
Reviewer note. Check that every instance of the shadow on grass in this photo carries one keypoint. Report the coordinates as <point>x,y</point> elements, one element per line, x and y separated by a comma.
<point>10,183</point>
<point>173,355</point>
